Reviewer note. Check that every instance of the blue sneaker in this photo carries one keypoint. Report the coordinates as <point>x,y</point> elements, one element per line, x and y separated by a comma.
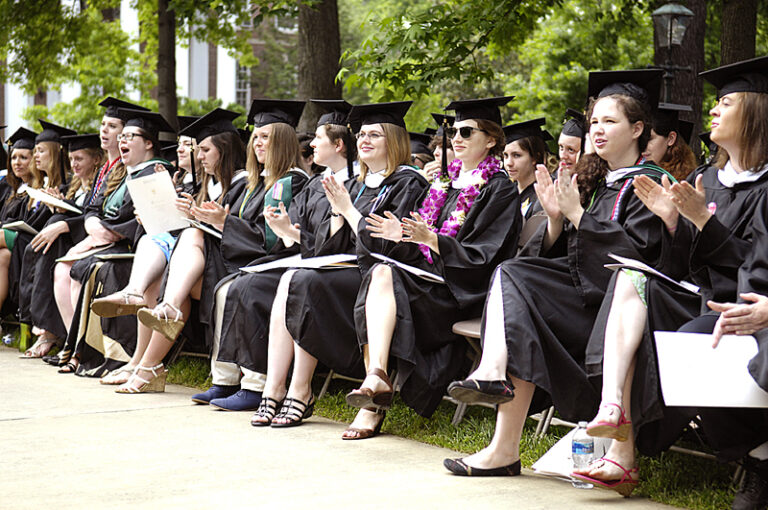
<point>215,391</point>
<point>243,400</point>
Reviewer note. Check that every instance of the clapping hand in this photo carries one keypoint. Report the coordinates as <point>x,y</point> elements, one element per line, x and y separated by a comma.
<point>691,201</point>
<point>657,198</point>
<point>545,190</point>
<point>385,227</point>
<point>211,213</point>
<point>337,195</point>
<point>567,196</point>
<point>742,318</point>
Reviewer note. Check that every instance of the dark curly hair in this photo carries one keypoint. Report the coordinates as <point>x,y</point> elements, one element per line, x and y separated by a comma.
<point>591,168</point>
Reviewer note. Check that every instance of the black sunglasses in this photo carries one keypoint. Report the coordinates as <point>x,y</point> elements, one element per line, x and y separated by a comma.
<point>464,131</point>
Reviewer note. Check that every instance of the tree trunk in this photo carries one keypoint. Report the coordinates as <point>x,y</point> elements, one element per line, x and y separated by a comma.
<point>319,54</point>
<point>686,86</point>
<point>166,62</point>
<point>738,30</point>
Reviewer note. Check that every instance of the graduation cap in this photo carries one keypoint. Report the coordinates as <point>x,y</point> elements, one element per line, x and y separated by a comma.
<point>186,120</point>
<point>525,129</point>
<point>52,132</point>
<point>245,135</point>
<point>420,143</point>
<point>269,111</point>
<point>576,125</point>
<point>487,109</point>
<point>212,123</point>
<point>168,152</point>
<point>337,111</point>
<point>150,122</point>
<point>666,118</point>
<point>78,142</point>
<point>378,113</point>
<point>22,138</point>
<point>641,84</point>
<point>430,131</point>
<point>113,106</point>
<point>745,76</point>
<point>440,119</point>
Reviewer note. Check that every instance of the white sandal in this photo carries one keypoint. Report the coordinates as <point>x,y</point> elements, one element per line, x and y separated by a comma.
<point>158,320</point>
<point>154,385</point>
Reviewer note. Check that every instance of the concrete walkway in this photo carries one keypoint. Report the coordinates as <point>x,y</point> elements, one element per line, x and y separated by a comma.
<point>68,442</point>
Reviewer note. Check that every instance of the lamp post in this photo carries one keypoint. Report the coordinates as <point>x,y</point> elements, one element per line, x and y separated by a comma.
<point>671,21</point>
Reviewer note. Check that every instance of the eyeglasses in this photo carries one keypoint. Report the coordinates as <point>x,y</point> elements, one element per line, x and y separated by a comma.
<point>128,136</point>
<point>464,131</point>
<point>186,143</point>
<point>371,136</point>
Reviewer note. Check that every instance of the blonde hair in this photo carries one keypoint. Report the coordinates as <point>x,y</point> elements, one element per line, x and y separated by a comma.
<point>398,150</point>
<point>76,183</point>
<point>283,153</point>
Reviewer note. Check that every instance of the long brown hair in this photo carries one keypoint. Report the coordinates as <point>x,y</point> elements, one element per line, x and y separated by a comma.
<point>59,160</point>
<point>398,150</point>
<point>497,135</point>
<point>591,168</point>
<point>679,159</point>
<point>283,153</point>
<point>36,180</point>
<point>537,148</point>
<point>753,135</point>
<point>231,159</point>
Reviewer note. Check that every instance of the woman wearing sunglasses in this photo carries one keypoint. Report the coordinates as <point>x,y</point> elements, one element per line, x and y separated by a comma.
<point>540,308</point>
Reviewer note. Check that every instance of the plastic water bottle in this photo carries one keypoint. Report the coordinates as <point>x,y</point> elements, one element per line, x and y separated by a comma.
<point>582,452</point>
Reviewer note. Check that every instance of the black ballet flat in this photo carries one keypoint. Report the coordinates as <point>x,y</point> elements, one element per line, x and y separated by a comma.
<point>460,468</point>
<point>473,391</point>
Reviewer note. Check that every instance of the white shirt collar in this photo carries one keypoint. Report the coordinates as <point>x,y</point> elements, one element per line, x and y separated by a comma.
<point>374,180</point>
<point>141,166</point>
<point>617,175</point>
<point>341,176</point>
<point>729,177</point>
<point>465,179</point>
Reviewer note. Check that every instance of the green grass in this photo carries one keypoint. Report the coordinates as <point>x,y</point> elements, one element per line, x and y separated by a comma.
<point>673,478</point>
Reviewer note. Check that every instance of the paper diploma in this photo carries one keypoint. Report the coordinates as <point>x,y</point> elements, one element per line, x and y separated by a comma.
<point>154,198</point>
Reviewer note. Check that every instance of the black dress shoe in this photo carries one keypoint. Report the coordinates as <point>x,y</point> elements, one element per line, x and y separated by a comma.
<point>753,494</point>
<point>458,467</point>
<point>473,391</point>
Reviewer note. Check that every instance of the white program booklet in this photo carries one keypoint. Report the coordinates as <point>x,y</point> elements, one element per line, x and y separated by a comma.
<point>204,227</point>
<point>425,275</point>
<point>42,196</point>
<point>20,226</point>
<point>693,374</point>
<point>338,261</point>
<point>627,263</point>
<point>154,198</point>
<point>558,463</point>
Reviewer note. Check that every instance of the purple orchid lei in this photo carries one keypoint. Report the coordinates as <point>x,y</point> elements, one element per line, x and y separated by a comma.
<point>438,192</point>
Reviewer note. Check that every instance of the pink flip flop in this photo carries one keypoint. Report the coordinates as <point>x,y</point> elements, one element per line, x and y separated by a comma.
<point>624,485</point>
<point>618,431</point>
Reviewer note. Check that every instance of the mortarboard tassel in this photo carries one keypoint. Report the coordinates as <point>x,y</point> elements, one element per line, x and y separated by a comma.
<point>444,152</point>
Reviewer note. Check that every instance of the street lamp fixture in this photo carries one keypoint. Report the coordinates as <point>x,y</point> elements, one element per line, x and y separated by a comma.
<point>671,20</point>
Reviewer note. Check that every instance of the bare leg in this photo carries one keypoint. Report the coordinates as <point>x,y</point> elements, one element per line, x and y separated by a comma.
<point>493,363</point>
<point>301,380</point>
<point>380,316</point>
<point>5,262</point>
<point>62,292</point>
<point>148,266</point>
<point>504,448</point>
<point>186,268</point>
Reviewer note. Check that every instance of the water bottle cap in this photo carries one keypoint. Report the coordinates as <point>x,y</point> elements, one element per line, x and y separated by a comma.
<point>582,424</point>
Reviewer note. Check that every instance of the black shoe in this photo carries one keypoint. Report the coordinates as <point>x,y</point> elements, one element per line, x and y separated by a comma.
<point>753,494</point>
<point>473,391</point>
<point>458,467</point>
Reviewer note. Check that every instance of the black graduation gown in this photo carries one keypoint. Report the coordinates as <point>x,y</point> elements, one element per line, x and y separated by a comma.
<point>37,304</point>
<point>711,260</point>
<point>245,320</point>
<point>425,352</point>
<point>14,209</point>
<point>551,299</point>
<point>243,242</point>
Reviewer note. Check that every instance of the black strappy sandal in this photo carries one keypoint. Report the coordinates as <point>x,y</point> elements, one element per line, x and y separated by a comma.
<point>295,411</point>
<point>267,409</point>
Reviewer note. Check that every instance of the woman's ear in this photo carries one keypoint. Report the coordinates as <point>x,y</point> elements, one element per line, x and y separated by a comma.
<point>339,145</point>
<point>671,138</point>
<point>637,129</point>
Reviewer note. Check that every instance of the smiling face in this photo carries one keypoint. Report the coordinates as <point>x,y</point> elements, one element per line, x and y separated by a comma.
<point>372,146</point>
<point>208,155</point>
<point>569,150</point>
<point>20,161</point>
<point>43,156</point>
<point>134,148</point>
<point>519,163</point>
<point>184,152</point>
<point>83,164</point>
<point>474,148</point>
<point>726,120</point>
<point>612,135</point>
<point>110,128</point>
<point>260,139</point>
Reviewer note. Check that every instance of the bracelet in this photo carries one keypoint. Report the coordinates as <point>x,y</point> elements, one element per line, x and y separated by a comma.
<point>335,215</point>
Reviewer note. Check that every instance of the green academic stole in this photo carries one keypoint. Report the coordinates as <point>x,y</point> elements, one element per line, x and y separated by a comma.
<point>281,191</point>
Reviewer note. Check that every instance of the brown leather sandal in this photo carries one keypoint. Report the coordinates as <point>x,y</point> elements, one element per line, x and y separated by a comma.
<point>366,397</point>
<point>366,433</point>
